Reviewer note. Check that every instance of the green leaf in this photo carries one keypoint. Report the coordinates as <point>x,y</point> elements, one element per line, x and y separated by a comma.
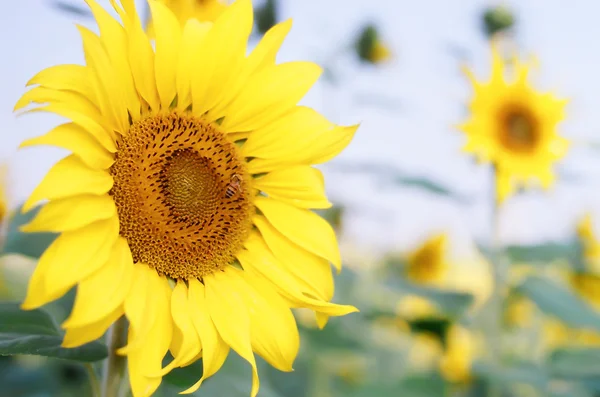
<point>186,376</point>
<point>35,333</point>
<point>452,303</point>
<point>28,244</point>
<point>561,302</point>
<point>575,362</point>
<point>544,253</point>
<point>513,373</point>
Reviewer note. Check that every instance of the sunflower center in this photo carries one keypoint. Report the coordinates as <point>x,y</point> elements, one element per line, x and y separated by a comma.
<point>182,194</point>
<point>519,130</point>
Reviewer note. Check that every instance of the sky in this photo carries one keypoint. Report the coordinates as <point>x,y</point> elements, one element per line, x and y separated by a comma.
<point>407,109</point>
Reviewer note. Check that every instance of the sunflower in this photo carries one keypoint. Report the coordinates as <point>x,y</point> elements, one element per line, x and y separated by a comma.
<point>186,202</point>
<point>513,126</point>
<point>427,264</point>
<point>460,353</point>
<point>589,243</point>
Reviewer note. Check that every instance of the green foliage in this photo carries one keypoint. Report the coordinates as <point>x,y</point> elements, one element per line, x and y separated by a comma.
<point>496,20</point>
<point>266,16</point>
<point>575,363</point>
<point>561,302</point>
<point>366,42</point>
<point>35,333</point>
<point>545,253</point>
<point>28,244</point>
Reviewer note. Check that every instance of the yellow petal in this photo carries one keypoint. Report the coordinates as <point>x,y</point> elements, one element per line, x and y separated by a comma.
<point>266,50</point>
<point>138,306</point>
<point>78,336</point>
<point>311,272</point>
<point>77,140</point>
<point>141,55</point>
<point>214,349</point>
<point>66,78</point>
<point>70,177</point>
<point>72,257</point>
<point>330,144</point>
<point>193,34</point>
<point>112,35</point>
<point>229,313</point>
<point>190,345</point>
<point>272,325</point>
<point>303,227</point>
<point>270,94</point>
<point>83,120</point>
<point>147,361</point>
<point>168,39</point>
<point>317,150</point>
<point>76,102</point>
<point>286,136</point>
<point>302,186</point>
<point>71,213</point>
<point>104,291</point>
<point>262,265</point>
<point>104,79</point>
<point>220,56</point>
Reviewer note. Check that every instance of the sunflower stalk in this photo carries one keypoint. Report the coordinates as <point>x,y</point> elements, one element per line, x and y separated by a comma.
<point>116,365</point>
<point>499,291</point>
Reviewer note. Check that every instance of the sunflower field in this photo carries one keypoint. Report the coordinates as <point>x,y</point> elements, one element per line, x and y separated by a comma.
<point>285,198</point>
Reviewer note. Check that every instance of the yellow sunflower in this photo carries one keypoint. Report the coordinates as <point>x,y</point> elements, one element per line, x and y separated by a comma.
<point>186,204</point>
<point>513,126</point>
<point>427,264</point>
<point>590,244</point>
<point>459,355</point>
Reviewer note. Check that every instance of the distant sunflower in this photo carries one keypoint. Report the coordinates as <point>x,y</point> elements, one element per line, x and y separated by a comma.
<point>513,126</point>
<point>459,355</point>
<point>185,205</point>
<point>589,244</point>
<point>427,264</point>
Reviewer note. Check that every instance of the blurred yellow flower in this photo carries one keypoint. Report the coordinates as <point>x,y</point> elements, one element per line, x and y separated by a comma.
<point>379,53</point>
<point>425,352</point>
<point>587,286</point>
<point>554,333</point>
<point>370,48</point>
<point>513,126</point>
<point>590,244</point>
<point>519,312</point>
<point>428,264</point>
<point>413,307</point>
<point>456,361</point>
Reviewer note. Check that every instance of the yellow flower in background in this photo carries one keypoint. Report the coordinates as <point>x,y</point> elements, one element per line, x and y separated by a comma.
<point>587,286</point>
<point>379,53</point>
<point>163,217</point>
<point>554,333</point>
<point>590,244</point>
<point>370,48</point>
<point>513,126</point>
<point>519,312</point>
<point>427,264</point>
<point>413,307</point>
<point>455,364</point>
<point>425,352</point>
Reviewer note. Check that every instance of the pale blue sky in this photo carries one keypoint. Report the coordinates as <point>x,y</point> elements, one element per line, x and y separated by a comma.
<point>423,85</point>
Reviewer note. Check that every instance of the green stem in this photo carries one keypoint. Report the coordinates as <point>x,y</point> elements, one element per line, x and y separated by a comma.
<point>94,384</point>
<point>500,273</point>
<point>116,366</point>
